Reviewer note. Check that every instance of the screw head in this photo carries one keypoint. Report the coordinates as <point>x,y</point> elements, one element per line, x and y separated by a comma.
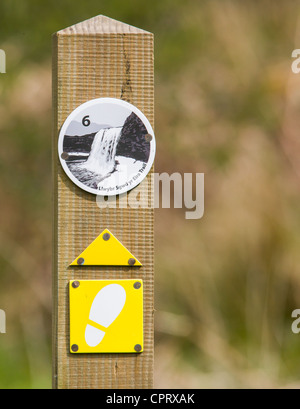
<point>137,285</point>
<point>75,284</point>
<point>148,137</point>
<point>80,261</point>
<point>65,156</point>
<point>138,348</point>
<point>106,236</point>
<point>74,348</point>
<point>131,261</point>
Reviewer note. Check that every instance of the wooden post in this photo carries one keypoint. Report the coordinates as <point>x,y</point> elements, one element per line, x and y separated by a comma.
<point>98,58</point>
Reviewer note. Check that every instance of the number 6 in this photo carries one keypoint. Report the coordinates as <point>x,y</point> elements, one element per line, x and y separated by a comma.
<point>86,121</point>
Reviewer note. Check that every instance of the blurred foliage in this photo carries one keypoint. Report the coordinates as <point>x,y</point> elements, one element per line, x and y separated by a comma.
<point>226,105</point>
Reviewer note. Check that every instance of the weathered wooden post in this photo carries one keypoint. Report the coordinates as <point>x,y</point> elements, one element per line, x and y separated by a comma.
<point>99,58</point>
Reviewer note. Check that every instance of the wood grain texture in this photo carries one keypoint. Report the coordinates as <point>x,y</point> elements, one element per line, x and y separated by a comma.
<point>99,58</point>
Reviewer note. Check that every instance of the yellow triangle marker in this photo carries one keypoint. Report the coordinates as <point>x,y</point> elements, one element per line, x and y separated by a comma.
<point>106,250</point>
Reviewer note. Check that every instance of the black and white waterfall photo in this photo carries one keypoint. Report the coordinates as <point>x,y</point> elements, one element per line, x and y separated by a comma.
<point>105,155</point>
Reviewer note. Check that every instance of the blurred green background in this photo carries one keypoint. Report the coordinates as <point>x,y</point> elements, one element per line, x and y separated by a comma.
<point>227,105</point>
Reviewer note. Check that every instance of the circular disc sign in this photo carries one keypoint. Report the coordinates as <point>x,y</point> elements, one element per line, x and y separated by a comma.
<point>106,146</point>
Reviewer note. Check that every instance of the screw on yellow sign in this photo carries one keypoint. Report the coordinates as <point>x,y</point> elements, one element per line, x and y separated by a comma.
<point>106,316</point>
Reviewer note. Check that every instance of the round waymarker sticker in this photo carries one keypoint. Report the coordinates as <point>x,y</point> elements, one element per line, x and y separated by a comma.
<point>106,146</point>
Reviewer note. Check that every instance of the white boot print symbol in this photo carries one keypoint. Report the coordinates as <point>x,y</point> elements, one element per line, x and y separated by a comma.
<point>106,307</point>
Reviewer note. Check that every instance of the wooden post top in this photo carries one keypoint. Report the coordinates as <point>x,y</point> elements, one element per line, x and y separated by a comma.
<point>101,25</point>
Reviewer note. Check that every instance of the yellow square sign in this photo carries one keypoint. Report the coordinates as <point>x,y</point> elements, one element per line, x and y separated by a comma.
<point>106,316</point>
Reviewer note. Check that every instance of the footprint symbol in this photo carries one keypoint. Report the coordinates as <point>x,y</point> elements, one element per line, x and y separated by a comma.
<point>106,307</point>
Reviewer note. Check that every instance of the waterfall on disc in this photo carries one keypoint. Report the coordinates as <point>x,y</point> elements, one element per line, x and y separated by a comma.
<point>103,152</point>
